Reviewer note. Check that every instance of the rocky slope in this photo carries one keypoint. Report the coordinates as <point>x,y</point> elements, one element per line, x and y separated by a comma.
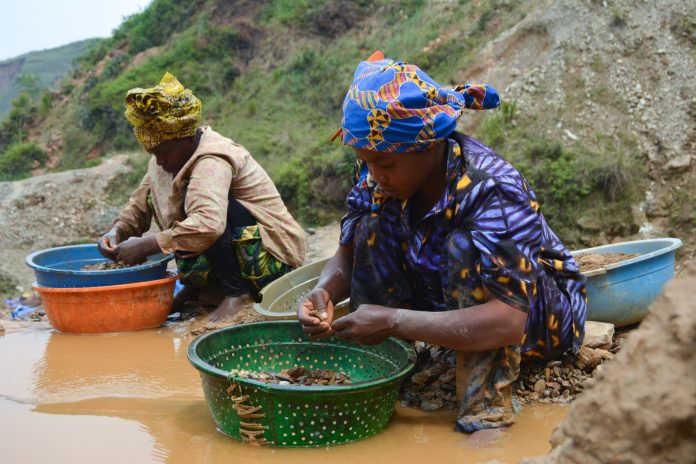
<point>615,73</point>
<point>54,209</point>
<point>643,408</point>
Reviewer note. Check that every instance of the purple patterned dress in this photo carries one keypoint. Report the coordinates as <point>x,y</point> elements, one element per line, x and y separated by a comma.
<point>487,230</point>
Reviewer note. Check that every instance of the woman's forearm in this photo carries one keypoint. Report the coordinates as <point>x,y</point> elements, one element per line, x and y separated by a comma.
<point>336,276</point>
<point>483,327</point>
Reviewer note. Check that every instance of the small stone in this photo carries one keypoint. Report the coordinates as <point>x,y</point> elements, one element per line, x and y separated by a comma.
<point>431,405</point>
<point>448,376</point>
<point>598,335</point>
<point>556,371</point>
<point>589,358</point>
<point>679,164</point>
<point>540,386</point>
<point>547,374</point>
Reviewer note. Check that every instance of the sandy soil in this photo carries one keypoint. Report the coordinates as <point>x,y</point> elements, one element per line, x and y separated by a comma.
<point>594,261</point>
<point>643,408</point>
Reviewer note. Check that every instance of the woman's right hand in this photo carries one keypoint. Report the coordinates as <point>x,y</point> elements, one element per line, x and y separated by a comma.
<point>108,243</point>
<point>316,314</point>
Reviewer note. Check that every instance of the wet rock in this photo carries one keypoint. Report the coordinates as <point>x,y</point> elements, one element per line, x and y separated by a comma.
<point>434,383</point>
<point>540,386</point>
<point>434,404</point>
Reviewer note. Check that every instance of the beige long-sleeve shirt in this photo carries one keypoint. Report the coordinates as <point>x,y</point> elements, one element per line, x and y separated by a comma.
<point>191,208</point>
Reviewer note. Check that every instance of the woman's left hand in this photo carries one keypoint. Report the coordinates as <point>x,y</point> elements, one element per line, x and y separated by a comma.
<point>135,250</point>
<point>368,325</point>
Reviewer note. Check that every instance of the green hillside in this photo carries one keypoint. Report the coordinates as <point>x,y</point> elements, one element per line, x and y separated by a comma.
<point>48,67</point>
<point>272,75</point>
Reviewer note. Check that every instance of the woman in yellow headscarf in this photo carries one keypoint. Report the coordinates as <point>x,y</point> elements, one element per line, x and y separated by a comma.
<point>216,207</point>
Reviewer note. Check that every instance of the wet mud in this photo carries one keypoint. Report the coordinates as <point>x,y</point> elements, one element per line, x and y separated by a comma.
<point>134,398</point>
<point>593,261</point>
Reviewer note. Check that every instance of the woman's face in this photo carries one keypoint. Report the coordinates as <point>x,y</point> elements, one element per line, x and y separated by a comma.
<point>172,155</point>
<point>401,175</point>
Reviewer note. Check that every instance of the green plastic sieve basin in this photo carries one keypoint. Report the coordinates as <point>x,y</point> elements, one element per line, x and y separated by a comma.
<point>298,416</point>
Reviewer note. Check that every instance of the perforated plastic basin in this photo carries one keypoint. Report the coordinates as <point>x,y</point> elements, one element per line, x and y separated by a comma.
<point>286,415</point>
<point>621,293</point>
<point>280,298</point>
<point>61,268</point>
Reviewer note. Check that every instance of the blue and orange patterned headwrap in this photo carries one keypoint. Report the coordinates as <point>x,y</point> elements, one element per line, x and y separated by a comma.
<point>395,107</point>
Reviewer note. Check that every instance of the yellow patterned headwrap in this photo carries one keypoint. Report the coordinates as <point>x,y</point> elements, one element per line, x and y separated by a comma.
<point>164,112</point>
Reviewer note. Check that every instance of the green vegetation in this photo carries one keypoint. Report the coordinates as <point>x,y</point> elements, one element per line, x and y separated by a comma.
<point>8,284</point>
<point>274,80</point>
<point>576,184</point>
<point>18,160</point>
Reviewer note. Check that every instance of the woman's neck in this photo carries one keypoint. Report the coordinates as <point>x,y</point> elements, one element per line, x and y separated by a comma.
<point>433,188</point>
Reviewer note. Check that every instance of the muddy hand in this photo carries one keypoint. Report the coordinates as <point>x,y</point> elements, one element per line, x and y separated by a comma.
<point>316,313</point>
<point>368,325</point>
<point>108,242</point>
<point>136,250</point>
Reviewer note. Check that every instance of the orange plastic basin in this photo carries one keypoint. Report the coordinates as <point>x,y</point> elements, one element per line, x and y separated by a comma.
<point>115,308</point>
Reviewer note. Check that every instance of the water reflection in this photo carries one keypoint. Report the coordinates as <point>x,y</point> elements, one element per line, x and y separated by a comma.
<point>98,396</point>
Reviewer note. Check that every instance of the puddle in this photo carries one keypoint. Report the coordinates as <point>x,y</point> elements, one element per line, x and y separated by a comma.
<point>135,398</point>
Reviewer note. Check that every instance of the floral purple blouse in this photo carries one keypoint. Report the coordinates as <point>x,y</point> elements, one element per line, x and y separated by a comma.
<point>487,230</point>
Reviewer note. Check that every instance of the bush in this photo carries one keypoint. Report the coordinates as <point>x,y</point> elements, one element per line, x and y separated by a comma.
<point>156,24</point>
<point>316,183</point>
<point>18,160</point>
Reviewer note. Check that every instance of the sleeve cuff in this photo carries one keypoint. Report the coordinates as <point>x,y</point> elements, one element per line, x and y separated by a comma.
<point>125,227</point>
<point>509,300</point>
<point>165,240</point>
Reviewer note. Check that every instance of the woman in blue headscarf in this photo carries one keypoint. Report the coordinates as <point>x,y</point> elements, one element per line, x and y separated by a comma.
<point>444,242</point>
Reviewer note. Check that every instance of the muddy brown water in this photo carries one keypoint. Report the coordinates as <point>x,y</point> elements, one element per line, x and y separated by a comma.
<point>135,398</point>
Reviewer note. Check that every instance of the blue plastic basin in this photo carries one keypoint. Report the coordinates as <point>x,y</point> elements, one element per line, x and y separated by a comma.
<point>60,268</point>
<point>621,293</point>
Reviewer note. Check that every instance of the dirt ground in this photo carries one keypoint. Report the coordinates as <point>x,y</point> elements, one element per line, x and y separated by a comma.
<point>52,210</point>
<point>322,241</point>
<point>643,407</point>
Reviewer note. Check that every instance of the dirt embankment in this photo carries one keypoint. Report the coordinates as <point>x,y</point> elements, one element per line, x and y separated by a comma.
<point>54,209</point>
<point>643,408</point>
<point>595,72</point>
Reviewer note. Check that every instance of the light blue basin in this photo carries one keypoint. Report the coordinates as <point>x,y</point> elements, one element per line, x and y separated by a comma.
<point>621,293</point>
